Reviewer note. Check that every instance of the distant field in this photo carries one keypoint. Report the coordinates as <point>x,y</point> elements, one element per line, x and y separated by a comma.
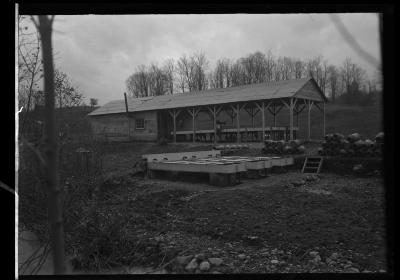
<point>339,118</point>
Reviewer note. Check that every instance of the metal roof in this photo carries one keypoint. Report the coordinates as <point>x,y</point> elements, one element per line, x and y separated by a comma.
<point>253,92</point>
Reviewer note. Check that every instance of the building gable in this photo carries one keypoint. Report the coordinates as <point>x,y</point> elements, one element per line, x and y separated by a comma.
<point>311,91</point>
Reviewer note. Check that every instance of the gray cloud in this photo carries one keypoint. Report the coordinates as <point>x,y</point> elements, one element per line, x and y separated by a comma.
<point>100,51</point>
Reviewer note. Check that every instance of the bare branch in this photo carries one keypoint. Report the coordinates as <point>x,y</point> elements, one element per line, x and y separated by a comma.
<point>35,22</point>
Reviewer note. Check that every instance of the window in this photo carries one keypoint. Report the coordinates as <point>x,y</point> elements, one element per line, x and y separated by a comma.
<point>139,124</point>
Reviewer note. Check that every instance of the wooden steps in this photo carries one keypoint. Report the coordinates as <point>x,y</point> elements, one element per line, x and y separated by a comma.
<point>312,165</point>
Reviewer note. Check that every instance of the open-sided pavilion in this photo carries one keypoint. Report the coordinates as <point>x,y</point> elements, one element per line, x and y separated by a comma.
<point>177,116</point>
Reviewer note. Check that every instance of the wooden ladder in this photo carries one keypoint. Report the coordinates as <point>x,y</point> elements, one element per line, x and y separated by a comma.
<point>312,165</point>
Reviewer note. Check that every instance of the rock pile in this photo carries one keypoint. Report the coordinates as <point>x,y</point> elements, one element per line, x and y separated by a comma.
<point>231,147</point>
<point>197,264</point>
<point>282,147</point>
<point>337,144</point>
<point>303,181</point>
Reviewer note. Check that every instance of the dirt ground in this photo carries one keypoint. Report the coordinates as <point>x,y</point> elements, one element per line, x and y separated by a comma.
<point>286,222</point>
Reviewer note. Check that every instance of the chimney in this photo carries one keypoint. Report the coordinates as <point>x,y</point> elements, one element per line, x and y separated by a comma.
<point>126,103</point>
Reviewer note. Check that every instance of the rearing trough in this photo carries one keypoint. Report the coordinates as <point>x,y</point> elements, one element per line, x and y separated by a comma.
<point>222,171</point>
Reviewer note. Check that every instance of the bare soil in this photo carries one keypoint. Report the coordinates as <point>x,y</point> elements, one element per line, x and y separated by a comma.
<point>273,224</point>
<point>264,219</point>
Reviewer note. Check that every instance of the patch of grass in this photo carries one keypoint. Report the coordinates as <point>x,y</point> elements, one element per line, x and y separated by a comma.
<point>345,119</point>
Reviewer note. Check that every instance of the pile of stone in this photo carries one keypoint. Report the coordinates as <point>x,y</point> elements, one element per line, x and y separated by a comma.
<point>198,263</point>
<point>307,179</point>
<point>230,148</point>
<point>282,147</point>
<point>337,144</point>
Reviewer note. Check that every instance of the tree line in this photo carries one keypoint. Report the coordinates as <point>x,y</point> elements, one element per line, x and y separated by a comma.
<point>347,83</point>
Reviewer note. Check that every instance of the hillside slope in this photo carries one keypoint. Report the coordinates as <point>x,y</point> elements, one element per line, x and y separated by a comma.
<point>367,121</point>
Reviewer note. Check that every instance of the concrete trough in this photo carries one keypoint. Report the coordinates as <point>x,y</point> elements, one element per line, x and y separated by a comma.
<point>267,161</point>
<point>250,162</point>
<point>222,171</point>
<point>278,161</point>
<point>181,156</point>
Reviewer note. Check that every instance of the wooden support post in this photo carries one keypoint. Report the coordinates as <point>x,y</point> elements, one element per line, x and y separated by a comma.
<point>291,119</point>
<point>298,111</point>
<point>193,125</point>
<point>263,120</point>
<point>236,109</point>
<point>174,114</point>
<point>215,124</point>
<point>274,115</point>
<point>323,112</point>
<point>238,122</point>
<point>232,115</point>
<point>174,117</point>
<point>193,112</point>
<point>323,106</point>
<point>262,109</point>
<point>290,107</point>
<point>252,117</point>
<point>214,113</point>
<point>310,104</point>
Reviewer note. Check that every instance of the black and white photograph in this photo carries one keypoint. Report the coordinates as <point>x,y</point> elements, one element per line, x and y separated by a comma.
<point>200,143</point>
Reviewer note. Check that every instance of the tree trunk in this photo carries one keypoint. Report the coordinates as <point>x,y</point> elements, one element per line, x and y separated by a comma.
<point>51,149</point>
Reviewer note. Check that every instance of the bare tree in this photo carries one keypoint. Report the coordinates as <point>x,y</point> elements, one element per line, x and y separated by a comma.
<point>66,94</point>
<point>158,81</point>
<point>346,74</point>
<point>279,69</point>
<point>29,65</point>
<point>199,67</point>
<point>211,80</point>
<point>317,68</point>
<point>254,68</point>
<point>324,76</point>
<point>221,77</point>
<point>259,67</point>
<point>218,77</point>
<point>93,102</point>
<point>152,80</point>
<point>298,69</point>
<point>138,83</point>
<point>169,70</point>
<point>333,81</point>
<point>313,68</point>
<point>185,71</point>
<point>352,75</point>
<point>181,77</point>
<point>237,74</point>
<point>269,67</point>
<point>287,68</point>
<point>192,72</point>
<point>44,26</point>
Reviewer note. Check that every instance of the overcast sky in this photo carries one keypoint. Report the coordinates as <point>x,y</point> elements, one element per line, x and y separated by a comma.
<point>99,52</point>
